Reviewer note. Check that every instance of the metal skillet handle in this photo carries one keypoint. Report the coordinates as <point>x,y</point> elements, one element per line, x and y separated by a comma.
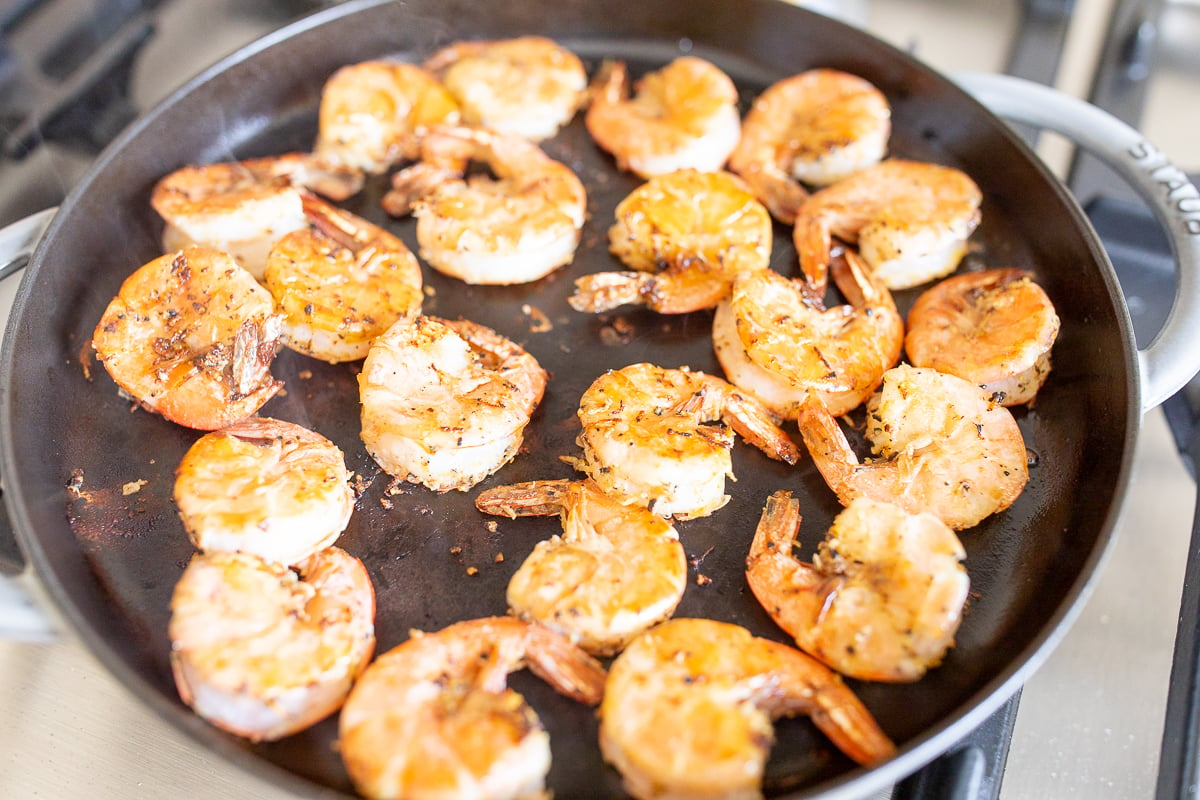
<point>1173,358</point>
<point>21,616</point>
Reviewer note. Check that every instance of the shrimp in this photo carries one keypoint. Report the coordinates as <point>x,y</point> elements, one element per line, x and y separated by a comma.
<point>944,447</point>
<point>688,707</point>
<point>244,207</point>
<point>615,571</point>
<point>911,222</point>
<point>264,486</point>
<point>516,228</point>
<point>687,234</point>
<point>681,116</point>
<point>264,651</point>
<point>776,344</point>
<point>191,336</point>
<point>445,403</point>
<point>994,328</point>
<point>817,128</point>
<point>529,86</point>
<point>373,114</point>
<point>648,437</point>
<point>434,718</point>
<point>340,283</point>
<point>883,596</point>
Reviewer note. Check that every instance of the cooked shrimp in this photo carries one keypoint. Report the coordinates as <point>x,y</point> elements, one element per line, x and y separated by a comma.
<point>911,222</point>
<point>688,707</point>
<point>445,403</point>
<point>529,86</point>
<point>373,114</point>
<point>994,328</point>
<point>515,228</point>
<point>681,116</point>
<point>244,207</point>
<point>191,335</point>
<point>816,128</point>
<point>944,447</point>
<point>648,437</point>
<point>615,571</point>
<point>775,343</point>
<point>883,596</point>
<point>340,283</point>
<point>687,234</point>
<point>264,486</point>
<point>264,651</point>
<point>434,717</point>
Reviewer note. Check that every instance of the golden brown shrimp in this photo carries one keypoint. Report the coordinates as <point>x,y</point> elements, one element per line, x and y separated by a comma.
<point>648,437</point>
<point>687,234</point>
<point>445,403</point>
<point>883,596</point>
<point>515,228</point>
<point>264,486</point>
<point>681,116</point>
<point>615,571</point>
<point>814,128</point>
<point>688,708</point>
<point>778,345</point>
<point>994,328</point>
<point>264,651</point>
<point>944,447</point>
<point>373,114</point>
<point>434,717</point>
<point>529,86</point>
<point>910,220</point>
<point>340,283</point>
<point>191,335</point>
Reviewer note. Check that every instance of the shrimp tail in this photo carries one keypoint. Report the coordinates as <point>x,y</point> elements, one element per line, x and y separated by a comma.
<point>754,423</point>
<point>776,190</point>
<point>412,184</point>
<point>826,442</point>
<point>565,666</point>
<point>604,291</point>
<point>527,499</point>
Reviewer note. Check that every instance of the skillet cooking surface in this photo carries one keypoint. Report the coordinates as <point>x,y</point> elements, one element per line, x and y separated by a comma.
<point>112,560</point>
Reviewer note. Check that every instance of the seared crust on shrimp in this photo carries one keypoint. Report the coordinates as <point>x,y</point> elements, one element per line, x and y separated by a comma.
<point>681,116</point>
<point>649,437</point>
<point>264,486</point>
<point>883,596</point>
<point>264,651</point>
<point>994,328</point>
<point>688,707</point>
<point>445,402</point>
<point>191,335</point>
<point>687,234</point>
<point>615,571</point>
<point>434,718</point>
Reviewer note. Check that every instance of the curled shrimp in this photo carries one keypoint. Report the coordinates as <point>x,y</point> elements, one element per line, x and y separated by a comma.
<point>910,220</point>
<point>264,651</point>
<point>373,114</point>
<point>529,86</point>
<point>191,335</point>
<point>264,486</point>
<point>994,328</point>
<point>615,571</point>
<point>514,228</point>
<point>434,717</point>
<point>445,402</point>
<point>681,116</point>
<point>340,282</point>
<point>688,709</point>
<point>943,447</point>
<point>815,128</point>
<point>775,343</point>
<point>649,437</point>
<point>687,234</point>
<point>883,596</point>
<point>244,207</point>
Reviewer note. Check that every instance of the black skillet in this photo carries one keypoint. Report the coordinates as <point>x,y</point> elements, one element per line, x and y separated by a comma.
<point>110,560</point>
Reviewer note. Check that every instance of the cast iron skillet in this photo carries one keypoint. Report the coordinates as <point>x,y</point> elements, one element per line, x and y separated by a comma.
<point>111,560</point>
